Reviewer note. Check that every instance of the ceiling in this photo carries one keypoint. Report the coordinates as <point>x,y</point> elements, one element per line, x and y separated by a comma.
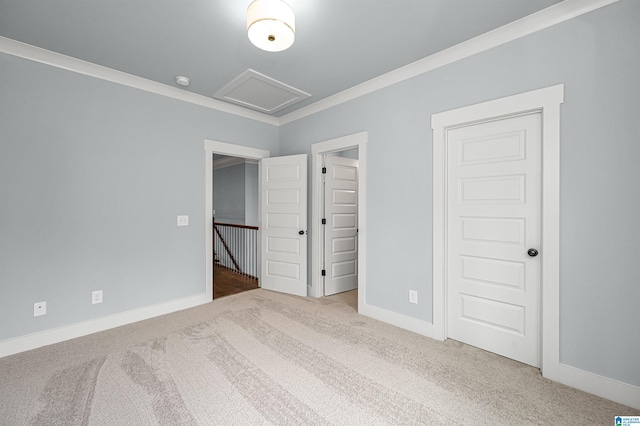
<point>339,43</point>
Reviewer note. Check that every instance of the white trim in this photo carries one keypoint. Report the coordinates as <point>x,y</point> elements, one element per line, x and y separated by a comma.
<point>614,390</point>
<point>399,320</point>
<point>211,147</point>
<point>357,140</point>
<point>547,101</point>
<point>37,54</point>
<point>208,219</point>
<point>60,334</point>
<point>233,150</point>
<point>538,21</point>
<point>545,18</point>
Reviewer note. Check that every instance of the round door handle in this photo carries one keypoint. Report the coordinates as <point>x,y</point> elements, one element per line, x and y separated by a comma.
<point>301,232</point>
<point>532,252</point>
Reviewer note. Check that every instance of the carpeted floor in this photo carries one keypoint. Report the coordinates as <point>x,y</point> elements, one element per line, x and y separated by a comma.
<point>265,358</point>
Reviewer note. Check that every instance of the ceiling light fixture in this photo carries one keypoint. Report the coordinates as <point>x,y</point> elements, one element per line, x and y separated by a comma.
<point>271,25</point>
<point>183,81</point>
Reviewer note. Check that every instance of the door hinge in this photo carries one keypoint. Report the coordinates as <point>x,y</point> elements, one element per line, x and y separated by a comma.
<point>324,273</point>
<point>324,221</point>
<point>324,170</point>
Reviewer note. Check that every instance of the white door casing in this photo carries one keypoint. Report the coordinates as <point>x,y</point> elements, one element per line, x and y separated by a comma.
<point>318,150</point>
<point>284,224</point>
<point>215,147</point>
<point>493,218</point>
<point>341,228</point>
<point>547,101</point>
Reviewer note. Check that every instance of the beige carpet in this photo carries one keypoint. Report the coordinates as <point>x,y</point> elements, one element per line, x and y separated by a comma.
<point>261,358</point>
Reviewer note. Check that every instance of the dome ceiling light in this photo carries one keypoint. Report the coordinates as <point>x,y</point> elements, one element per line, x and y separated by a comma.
<point>271,25</point>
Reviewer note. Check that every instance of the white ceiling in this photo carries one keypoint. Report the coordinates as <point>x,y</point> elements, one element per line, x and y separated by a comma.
<point>339,43</point>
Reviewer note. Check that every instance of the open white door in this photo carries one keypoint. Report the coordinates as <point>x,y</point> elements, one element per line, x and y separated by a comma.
<point>284,224</point>
<point>341,227</point>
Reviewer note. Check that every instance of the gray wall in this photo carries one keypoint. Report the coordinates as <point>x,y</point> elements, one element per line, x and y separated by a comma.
<point>229,194</point>
<point>596,57</point>
<point>235,194</point>
<point>92,176</point>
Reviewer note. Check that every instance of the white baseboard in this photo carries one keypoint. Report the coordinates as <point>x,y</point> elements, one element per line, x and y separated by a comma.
<point>595,384</point>
<point>614,390</point>
<point>60,334</point>
<point>399,320</point>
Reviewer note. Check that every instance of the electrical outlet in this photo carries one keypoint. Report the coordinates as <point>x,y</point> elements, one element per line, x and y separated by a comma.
<point>183,220</point>
<point>96,297</point>
<point>39,308</point>
<point>413,296</point>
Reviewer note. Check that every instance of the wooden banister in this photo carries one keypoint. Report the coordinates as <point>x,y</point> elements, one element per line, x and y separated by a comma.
<point>226,247</point>
<point>233,225</point>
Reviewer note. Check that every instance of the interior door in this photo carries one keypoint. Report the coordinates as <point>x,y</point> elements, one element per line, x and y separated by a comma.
<point>284,224</point>
<point>341,228</point>
<point>493,220</point>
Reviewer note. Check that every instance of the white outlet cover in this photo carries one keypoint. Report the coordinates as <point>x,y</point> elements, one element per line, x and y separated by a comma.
<point>183,220</point>
<point>413,296</point>
<point>96,297</point>
<point>39,309</point>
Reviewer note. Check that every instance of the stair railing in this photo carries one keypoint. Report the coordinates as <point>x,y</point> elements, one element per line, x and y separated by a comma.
<point>236,247</point>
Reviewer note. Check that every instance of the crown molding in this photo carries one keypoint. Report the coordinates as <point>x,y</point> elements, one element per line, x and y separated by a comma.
<point>540,20</point>
<point>545,18</point>
<point>37,54</point>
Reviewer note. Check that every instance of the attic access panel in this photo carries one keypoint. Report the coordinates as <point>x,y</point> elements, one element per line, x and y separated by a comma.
<point>259,92</point>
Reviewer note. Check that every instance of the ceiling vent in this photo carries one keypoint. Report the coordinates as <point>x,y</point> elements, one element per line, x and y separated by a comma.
<point>257,91</point>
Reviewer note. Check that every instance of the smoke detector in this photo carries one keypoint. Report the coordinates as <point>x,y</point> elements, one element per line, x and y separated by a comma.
<point>181,80</point>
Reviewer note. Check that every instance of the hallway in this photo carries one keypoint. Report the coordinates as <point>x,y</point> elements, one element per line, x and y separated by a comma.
<point>227,282</point>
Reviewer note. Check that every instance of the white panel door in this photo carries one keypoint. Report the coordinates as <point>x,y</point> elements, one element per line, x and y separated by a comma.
<point>284,224</point>
<point>341,229</point>
<point>493,219</point>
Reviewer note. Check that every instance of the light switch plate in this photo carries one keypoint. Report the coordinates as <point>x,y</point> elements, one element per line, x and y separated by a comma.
<point>183,220</point>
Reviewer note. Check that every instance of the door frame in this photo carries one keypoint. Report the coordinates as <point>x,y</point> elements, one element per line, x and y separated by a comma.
<point>214,147</point>
<point>547,101</point>
<point>318,149</point>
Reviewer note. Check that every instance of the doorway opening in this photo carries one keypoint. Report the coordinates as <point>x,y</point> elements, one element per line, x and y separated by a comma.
<point>339,214</point>
<point>338,218</point>
<point>235,225</point>
<point>282,218</point>
<point>229,150</point>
